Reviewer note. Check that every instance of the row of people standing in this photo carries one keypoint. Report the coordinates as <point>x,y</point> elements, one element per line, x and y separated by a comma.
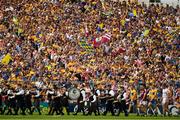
<point>22,98</point>
<point>97,101</point>
<point>29,99</point>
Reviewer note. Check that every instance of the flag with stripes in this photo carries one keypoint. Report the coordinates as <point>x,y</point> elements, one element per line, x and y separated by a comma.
<point>101,40</point>
<point>86,46</point>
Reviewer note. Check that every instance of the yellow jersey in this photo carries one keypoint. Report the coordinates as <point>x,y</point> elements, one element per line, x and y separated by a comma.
<point>133,94</point>
<point>153,94</point>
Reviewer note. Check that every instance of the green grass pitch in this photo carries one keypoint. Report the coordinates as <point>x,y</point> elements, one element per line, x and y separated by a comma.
<point>81,117</point>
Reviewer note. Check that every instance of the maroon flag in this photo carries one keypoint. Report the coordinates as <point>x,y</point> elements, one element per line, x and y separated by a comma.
<point>121,50</point>
<point>106,38</point>
<point>118,52</point>
<point>101,40</point>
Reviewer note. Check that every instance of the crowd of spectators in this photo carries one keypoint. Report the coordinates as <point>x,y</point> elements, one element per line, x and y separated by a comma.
<point>42,38</point>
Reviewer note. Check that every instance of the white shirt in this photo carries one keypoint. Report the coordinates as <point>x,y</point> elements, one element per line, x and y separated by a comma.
<point>165,93</point>
<point>58,94</point>
<point>10,92</point>
<point>119,97</point>
<point>111,92</point>
<point>39,84</point>
<point>21,92</point>
<point>94,98</point>
<point>98,92</point>
<point>125,96</point>
<point>37,93</point>
<point>66,93</point>
<point>49,92</point>
<point>27,92</point>
<point>83,94</point>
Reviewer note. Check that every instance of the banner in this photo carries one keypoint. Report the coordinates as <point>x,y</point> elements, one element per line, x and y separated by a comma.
<point>86,46</point>
<point>7,58</point>
<point>134,12</point>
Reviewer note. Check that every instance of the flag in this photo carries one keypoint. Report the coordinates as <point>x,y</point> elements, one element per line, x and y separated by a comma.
<point>134,12</point>
<point>15,20</point>
<point>121,50</point>
<point>123,22</point>
<point>86,46</point>
<point>97,42</point>
<point>101,26</point>
<point>103,39</point>
<point>146,32</point>
<point>20,31</point>
<point>7,58</point>
<point>118,52</point>
<point>106,38</point>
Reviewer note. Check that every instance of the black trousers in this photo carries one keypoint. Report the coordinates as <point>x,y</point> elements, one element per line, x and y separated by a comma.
<point>109,107</point>
<point>11,106</point>
<point>29,106</point>
<point>93,108</point>
<point>65,104</point>
<point>20,105</point>
<point>67,108</point>
<point>57,107</point>
<point>50,105</point>
<point>37,105</point>
<point>98,104</point>
<point>80,107</point>
<point>4,108</point>
<point>123,107</point>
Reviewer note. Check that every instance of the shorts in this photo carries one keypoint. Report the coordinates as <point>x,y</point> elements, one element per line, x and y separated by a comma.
<point>154,103</point>
<point>143,103</point>
<point>164,101</point>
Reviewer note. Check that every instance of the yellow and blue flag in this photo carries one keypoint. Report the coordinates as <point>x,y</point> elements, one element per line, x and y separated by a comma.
<point>7,58</point>
<point>86,46</point>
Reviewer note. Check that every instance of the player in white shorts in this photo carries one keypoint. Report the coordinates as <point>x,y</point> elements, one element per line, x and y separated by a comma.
<point>165,99</point>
